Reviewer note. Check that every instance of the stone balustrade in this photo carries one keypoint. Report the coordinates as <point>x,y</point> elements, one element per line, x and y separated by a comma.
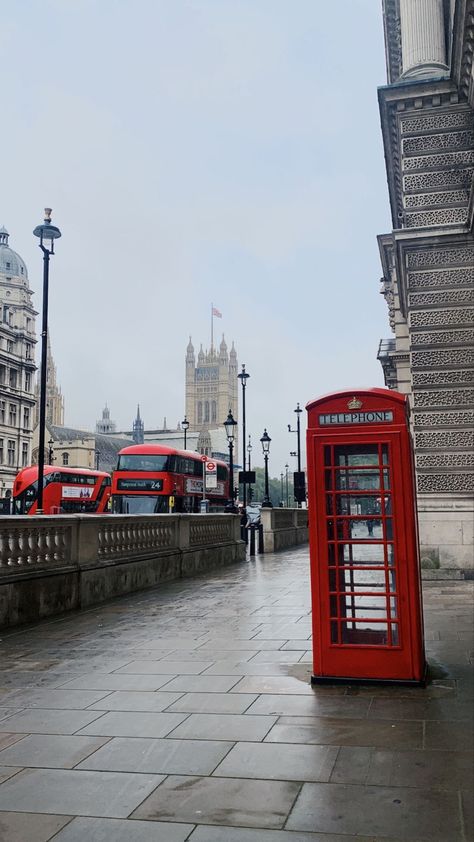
<point>53,564</point>
<point>284,528</point>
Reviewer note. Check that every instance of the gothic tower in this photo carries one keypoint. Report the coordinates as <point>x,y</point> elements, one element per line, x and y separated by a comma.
<point>138,429</point>
<point>211,387</point>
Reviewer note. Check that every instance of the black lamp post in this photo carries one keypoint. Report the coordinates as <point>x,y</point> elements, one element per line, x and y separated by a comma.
<point>298,411</point>
<point>185,427</point>
<point>281,488</point>
<point>265,440</point>
<point>50,452</point>
<point>287,495</point>
<point>230,424</point>
<point>47,234</point>
<point>243,377</point>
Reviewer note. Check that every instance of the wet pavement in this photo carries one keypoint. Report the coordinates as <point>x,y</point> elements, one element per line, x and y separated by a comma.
<point>186,713</point>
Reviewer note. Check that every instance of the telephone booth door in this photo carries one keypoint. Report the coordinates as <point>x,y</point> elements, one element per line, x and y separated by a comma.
<point>367,622</point>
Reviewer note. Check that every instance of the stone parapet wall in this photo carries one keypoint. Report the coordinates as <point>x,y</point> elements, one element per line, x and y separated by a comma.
<point>49,565</point>
<point>284,528</point>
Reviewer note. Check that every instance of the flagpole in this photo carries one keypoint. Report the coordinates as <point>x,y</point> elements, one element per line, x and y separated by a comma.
<point>212,326</point>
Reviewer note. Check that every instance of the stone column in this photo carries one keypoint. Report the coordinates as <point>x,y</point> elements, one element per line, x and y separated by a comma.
<point>423,39</point>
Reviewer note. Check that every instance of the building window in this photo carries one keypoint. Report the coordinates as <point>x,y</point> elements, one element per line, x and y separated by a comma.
<point>11,453</point>
<point>13,378</point>
<point>200,412</point>
<point>26,418</point>
<point>1,452</point>
<point>65,458</point>
<point>29,349</point>
<point>3,375</point>
<point>12,415</point>
<point>24,454</point>
<point>2,412</point>
<point>27,382</point>
<point>10,346</point>
<point>8,265</point>
<point>206,411</point>
<point>214,411</point>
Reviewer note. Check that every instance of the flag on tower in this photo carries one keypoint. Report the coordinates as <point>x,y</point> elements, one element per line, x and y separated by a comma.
<point>216,312</point>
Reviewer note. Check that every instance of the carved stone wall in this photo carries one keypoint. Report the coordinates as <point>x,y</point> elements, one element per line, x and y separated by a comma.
<point>429,149</point>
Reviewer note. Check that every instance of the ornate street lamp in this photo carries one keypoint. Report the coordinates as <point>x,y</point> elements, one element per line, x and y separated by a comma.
<point>47,234</point>
<point>265,440</point>
<point>50,451</point>
<point>281,488</point>
<point>185,427</point>
<point>97,459</point>
<point>287,495</point>
<point>230,424</point>
<point>243,377</point>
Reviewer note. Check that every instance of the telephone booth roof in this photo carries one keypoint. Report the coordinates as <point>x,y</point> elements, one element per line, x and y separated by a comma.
<point>374,393</point>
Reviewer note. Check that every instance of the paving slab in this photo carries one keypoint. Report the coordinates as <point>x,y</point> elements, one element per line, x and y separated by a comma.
<point>215,801</point>
<point>117,830</point>
<point>50,750</point>
<point>269,761</point>
<point>203,726</point>
<point>56,699</point>
<point>448,770</point>
<point>116,681</point>
<point>70,792</point>
<point>29,827</point>
<point>213,703</point>
<point>8,772</point>
<point>136,701</point>
<point>355,732</point>
<point>128,724</point>
<point>161,756</point>
<point>42,721</point>
<point>405,814</point>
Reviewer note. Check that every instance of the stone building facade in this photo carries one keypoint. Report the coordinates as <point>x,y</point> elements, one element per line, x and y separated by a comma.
<point>211,390</point>
<point>17,365</point>
<point>427,112</point>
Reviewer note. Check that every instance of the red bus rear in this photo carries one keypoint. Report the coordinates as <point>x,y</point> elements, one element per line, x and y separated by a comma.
<point>65,491</point>
<point>148,475</point>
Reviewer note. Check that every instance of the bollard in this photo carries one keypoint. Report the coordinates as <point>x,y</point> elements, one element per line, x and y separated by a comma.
<point>252,539</point>
<point>261,547</point>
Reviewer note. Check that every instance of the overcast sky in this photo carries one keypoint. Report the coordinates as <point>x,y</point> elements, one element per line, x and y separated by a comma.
<point>198,151</point>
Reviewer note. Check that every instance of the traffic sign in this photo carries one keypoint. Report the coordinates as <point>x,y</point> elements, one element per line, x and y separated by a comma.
<point>211,467</point>
<point>203,458</point>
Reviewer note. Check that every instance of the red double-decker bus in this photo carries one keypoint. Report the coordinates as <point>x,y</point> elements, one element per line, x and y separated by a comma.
<point>148,475</point>
<point>65,491</point>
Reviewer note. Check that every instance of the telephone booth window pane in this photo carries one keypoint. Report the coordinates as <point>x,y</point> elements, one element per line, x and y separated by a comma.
<point>334,632</point>
<point>386,480</point>
<point>364,634</point>
<point>328,480</point>
<point>393,607</point>
<point>356,454</point>
<point>327,456</point>
<point>354,479</point>
<point>395,634</point>
<point>385,454</point>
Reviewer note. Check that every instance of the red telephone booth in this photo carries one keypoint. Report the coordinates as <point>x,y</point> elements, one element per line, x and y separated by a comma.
<point>365,573</point>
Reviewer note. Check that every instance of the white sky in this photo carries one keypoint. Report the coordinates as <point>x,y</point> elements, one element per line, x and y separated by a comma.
<point>196,151</point>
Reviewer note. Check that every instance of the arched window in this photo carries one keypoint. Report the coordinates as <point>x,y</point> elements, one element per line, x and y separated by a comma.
<point>206,411</point>
<point>65,458</point>
<point>200,412</point>
<point>214,411</point>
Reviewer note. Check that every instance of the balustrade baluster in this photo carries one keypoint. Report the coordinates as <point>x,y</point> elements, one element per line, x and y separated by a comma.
<point>3,549</point>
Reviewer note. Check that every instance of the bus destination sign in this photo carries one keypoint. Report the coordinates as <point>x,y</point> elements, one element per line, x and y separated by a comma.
<point>140,485</point>
<point>374,417</point>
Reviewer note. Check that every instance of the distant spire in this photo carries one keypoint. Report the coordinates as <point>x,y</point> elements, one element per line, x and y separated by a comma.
<point>138,428</point>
